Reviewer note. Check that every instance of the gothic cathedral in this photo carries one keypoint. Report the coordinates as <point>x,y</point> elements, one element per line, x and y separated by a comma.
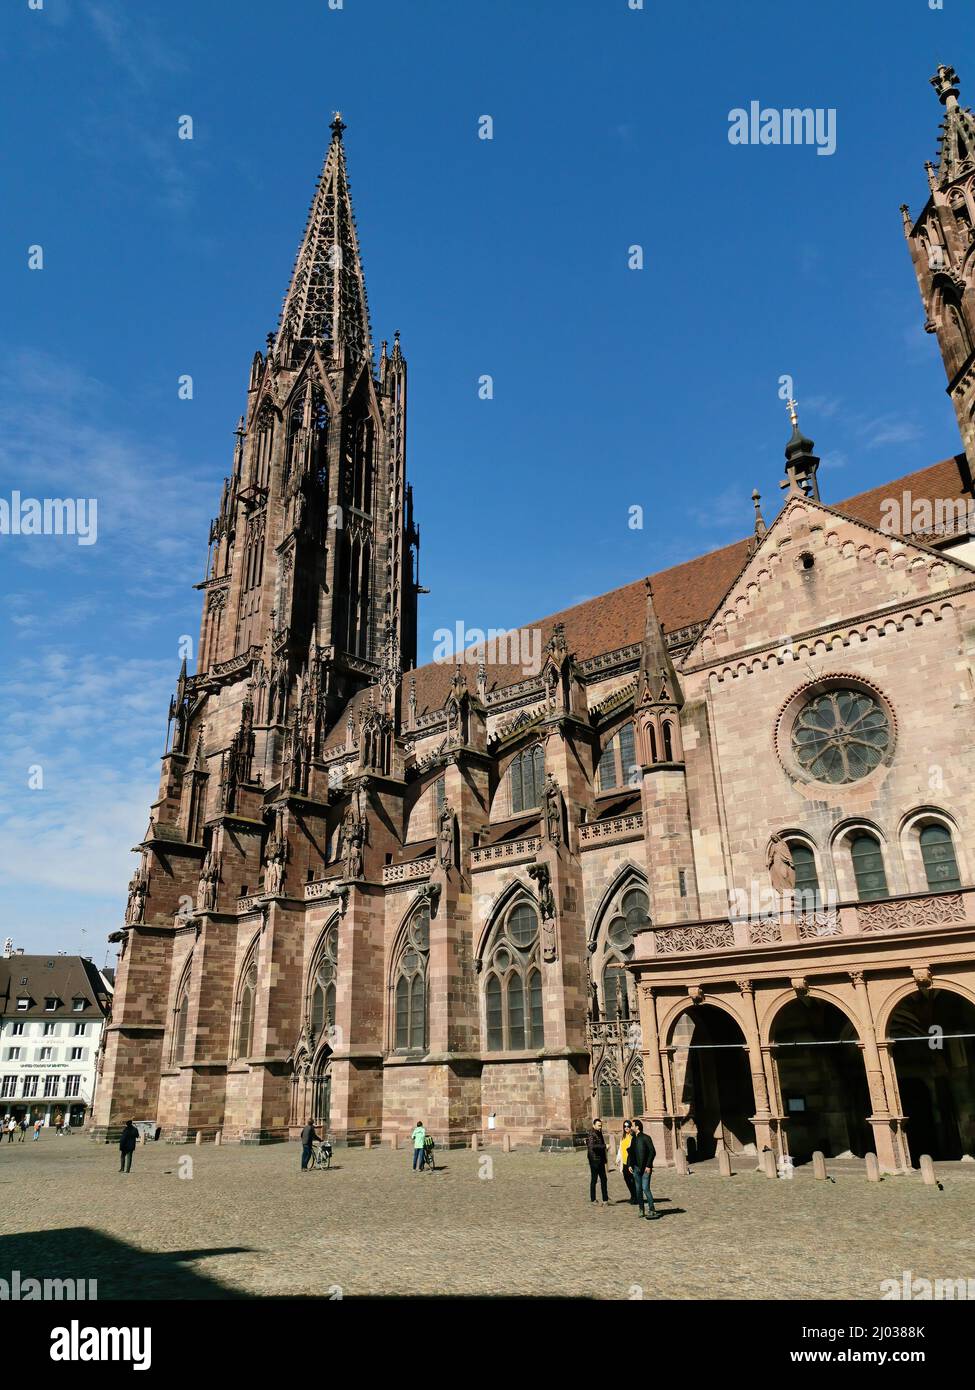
<point>711,864</point>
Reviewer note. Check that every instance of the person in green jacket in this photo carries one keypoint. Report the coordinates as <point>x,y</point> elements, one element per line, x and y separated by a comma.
<point>419,1135</point>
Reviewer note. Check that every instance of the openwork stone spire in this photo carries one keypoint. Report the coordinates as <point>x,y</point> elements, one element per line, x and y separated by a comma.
<point>326,301</point>
<point>956,150</point>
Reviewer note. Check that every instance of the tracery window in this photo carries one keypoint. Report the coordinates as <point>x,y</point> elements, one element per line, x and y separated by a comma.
<point>840,735</point>
<point>628,914</point>
<point>410,986</point>
<point>527,779</point>
<point>321,1003</point>
<point>618,760</point>
<point>513,985</point>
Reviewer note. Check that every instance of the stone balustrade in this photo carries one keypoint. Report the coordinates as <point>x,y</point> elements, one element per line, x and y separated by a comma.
<point>910,911</point>
<point>508,851</point>
<point>607,832</point>
<point>405,873</point>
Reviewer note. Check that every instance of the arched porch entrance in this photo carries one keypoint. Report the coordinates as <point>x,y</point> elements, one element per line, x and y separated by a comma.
<point>934,1062</point>
<point>712,1083</point>
<point>822,1081</point>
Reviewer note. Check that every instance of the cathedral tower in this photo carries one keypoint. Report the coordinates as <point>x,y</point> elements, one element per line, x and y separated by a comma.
<point>942,246</point>
<point>309,597</point>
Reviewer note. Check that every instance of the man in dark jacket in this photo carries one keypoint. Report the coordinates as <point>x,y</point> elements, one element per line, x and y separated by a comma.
<point>640,1163</point>
<point>127,1143</point>
<point>596,1149</point>
<point>308,1137</point>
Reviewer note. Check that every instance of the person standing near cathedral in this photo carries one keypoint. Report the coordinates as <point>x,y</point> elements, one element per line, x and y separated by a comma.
<point>126,1147</point>
<point>308,1137</point>
<point>596,1149</point>
<point>622,1160</point>
<point>419,1139</point>
<point>641,1156</point>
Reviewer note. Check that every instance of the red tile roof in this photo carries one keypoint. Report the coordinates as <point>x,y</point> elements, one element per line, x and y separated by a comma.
<point>684,594</point>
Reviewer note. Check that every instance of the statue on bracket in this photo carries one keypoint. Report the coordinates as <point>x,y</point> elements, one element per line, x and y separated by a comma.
<point>781,869</point>
<point>206,893</point>
<point>353,840</point>
<point>138,889</point>
<point>553,810</point>
<point>540,875</point>
<point>446,838</point>
<point>277,858</point>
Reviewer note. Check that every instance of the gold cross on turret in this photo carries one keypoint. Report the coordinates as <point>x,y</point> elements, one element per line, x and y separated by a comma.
<point>791,407</point>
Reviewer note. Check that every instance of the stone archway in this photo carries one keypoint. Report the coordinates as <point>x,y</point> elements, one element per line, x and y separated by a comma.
<point>934,1063</point>
<point>712,1083</point>
<point>822,1080</point>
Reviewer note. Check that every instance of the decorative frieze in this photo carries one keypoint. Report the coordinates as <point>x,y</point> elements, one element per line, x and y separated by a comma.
<point>711,936</point>
<point>926,910</point>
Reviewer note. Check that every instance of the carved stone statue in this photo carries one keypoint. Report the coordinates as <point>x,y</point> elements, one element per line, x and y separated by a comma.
<point>206,893</point>
<point>138,888</point>
<point>782,870</point>
<point>553,810</point>
<point>353,838</point>
<point>277,857</point>
<point>546,901</point>
<point>446,837</point>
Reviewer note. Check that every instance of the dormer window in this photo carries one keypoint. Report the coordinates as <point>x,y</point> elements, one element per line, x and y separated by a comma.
<point>78,1004</point>
<point>50,1004</point>
<point>23,1004</point>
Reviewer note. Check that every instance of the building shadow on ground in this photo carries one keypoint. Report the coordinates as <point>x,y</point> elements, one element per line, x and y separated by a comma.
<point>120,1270</point>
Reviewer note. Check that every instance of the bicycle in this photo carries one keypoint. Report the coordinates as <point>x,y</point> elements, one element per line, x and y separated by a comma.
<point>428,1159</point>
<point>321,1156</point>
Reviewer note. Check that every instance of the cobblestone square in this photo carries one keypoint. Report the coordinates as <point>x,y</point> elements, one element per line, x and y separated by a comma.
<point>249,1223</point>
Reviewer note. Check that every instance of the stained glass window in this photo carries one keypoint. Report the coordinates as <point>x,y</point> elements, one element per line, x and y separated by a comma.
<point>840,736</point>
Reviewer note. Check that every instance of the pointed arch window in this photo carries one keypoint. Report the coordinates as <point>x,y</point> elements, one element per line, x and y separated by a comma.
<point>513,1005</point>
<point>527,778</point>
<point>938,854</point>
<point>618,760</point>
<point>410,986</point>
<point>321,1001</point>
<point>628,913</point>
<point>868,867</point>
<point>180,1015</point>
<point>246,1004</point>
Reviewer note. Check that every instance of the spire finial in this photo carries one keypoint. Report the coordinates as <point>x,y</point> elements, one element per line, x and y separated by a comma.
<point>337,126</point>
<point>945,83</point>
<point>760,527</point>
<point>791,407</point>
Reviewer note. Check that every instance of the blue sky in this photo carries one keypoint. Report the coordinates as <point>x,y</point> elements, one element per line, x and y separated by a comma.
<point>612,387</point>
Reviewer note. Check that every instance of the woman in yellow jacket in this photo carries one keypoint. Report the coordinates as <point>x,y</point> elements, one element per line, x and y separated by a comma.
<point>621,1159</point>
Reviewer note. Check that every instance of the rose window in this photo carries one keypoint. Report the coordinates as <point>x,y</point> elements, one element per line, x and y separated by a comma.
<point>840,736</point>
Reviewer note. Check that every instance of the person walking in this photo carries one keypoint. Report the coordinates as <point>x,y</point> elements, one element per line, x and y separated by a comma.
<point>418,1136</point>
<point>38,1126</point>
<point>641,1156</point>
<point>127,1143</point>
<point>11,1125</point>
<point>23,1129</point>
<point>596,1149</point>
<point>308,1138</point>
<point>622,1160</point>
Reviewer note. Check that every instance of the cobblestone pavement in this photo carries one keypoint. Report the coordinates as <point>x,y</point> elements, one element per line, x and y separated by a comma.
<point>247,1222</point>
